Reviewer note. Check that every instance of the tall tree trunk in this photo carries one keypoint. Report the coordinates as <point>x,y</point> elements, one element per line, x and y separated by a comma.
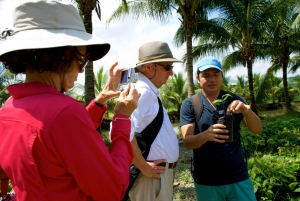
<point>89,73</point>
<point>189,61</point>
<point>89,83</point>
<point>251,88</point>
<point>285,87</point>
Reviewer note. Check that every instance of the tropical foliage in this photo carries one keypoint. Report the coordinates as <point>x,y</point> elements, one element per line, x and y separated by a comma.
<point>274,163</point>
<point>100,78</point>
<point>188,11</point>
<point>6,79</point>
<point>240,86</point>
<point>242,32</point>
<point>282,41</point>
<point>174,92</point>
<point>233,32</point>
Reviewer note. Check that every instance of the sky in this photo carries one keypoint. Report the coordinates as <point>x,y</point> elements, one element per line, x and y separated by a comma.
<point>126,36</point>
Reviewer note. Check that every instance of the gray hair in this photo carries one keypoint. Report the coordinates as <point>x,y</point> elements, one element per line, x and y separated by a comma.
<point>140,68</point>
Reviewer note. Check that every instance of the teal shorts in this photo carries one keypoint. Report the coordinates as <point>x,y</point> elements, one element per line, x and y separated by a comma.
<point>241,191</point>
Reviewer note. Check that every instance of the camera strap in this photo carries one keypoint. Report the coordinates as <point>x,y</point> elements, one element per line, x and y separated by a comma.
<point>148,135</point>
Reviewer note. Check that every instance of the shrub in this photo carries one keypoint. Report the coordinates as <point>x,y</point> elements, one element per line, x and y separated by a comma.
<point>274,163</point>
<point>279,133</point>
<point>276,177</point>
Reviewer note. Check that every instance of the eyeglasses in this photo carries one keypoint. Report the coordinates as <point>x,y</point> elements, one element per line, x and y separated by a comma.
<point>82,62</point>
<point>167,67</point>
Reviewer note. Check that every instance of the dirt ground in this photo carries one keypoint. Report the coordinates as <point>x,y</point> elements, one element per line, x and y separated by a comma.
<point>183,184</point>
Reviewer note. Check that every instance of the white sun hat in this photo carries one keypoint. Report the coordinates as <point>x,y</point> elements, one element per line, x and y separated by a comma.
<point>39,24</point>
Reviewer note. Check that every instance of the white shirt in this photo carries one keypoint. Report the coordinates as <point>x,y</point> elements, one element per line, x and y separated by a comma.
<point>165,145</point>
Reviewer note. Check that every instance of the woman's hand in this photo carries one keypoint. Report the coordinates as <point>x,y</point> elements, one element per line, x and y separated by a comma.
<point>127,101</point>
<point>109,90</point>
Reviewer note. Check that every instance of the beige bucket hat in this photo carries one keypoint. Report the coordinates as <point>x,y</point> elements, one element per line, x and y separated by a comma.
<point>156,51</point>
<point>39,24</point>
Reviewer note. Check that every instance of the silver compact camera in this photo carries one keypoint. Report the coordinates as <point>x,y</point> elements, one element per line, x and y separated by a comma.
<point>127,76</point>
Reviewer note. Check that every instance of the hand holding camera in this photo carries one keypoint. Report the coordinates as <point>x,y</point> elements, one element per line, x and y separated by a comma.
<point>110,89</point>
<point>129,96</point>
<point>127,101</point>
<point>127,77</point>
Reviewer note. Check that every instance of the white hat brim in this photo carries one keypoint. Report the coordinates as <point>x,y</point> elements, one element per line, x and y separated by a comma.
<point>49,38</point>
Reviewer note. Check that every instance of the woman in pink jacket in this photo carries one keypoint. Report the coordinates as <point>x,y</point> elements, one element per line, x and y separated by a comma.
<point>49,146</point>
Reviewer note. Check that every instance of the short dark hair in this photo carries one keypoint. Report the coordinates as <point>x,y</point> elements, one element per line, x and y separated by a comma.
<point>198,72</point>
<point>57,59</point>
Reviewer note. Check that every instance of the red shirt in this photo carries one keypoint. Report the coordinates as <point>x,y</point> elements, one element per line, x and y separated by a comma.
<point>50,149</point>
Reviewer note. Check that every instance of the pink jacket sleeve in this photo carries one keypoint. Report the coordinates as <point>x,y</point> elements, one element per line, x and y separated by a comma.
<point>101,173</point>
<point>97,113</point>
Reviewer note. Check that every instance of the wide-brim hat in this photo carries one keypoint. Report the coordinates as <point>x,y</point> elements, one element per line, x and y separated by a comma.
<point>156,51</point>
<point>40,24</point>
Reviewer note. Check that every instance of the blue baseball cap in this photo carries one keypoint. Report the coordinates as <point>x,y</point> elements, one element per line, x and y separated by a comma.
<point>209,62</point>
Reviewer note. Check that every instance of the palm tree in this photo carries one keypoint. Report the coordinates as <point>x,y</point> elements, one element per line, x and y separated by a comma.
<point>234,31</point>
<point>294,63</point>
<point>85,9</point>
<point>241,87</point>
<point>188,10</point>
<point>297,82</point>
<point>284,41</point>
<point>268,88</point>
<point>100,78</point>
<point>256,82</point>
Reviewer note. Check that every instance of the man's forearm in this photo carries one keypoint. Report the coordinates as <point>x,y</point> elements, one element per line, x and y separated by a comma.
<point>194,141</point>
<point>253,122</point>
<point>138,159</point>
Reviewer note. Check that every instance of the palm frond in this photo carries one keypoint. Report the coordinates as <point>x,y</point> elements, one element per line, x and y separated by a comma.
<point>98,10</point>
<point>156,10</point>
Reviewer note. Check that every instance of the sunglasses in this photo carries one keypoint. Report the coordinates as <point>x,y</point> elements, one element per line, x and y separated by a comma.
<point>167,67</point>
<point>82,62</point>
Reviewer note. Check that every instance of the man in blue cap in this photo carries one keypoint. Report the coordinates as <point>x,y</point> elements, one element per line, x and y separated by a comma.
<point>220,172</point>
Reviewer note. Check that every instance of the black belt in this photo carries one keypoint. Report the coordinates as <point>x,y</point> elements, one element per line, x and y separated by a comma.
<point>171,165</point>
